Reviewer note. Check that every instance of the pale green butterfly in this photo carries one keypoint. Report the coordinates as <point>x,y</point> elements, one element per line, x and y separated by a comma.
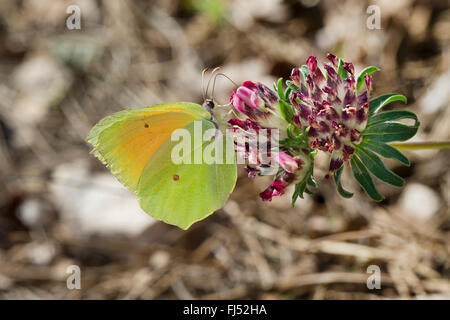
<point>136,146</point>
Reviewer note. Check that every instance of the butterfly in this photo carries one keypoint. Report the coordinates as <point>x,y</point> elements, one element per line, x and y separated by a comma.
<point>136,146</point>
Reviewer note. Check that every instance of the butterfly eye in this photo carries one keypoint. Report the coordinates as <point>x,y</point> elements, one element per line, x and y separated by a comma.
<point>210,104</point>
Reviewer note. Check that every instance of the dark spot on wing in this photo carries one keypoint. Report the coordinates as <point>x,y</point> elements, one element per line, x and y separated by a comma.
<point>176,177</point>
<point>146,125</point>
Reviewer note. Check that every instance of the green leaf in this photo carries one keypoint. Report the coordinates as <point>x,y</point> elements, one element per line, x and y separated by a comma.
<point>360,79</point>
<point>279,89</point>
<point>299,190</point>
<point>391,116</point>
<point>289,132</point>
<point>377,167</point>
<point>312,182</point>
<point>337,180</point>
<point>287,93</point>
<point>365,180</point>
<point>386,151</point>
<point>305,71</point>
<point>379,102</point>
<point>342,73</point>
<point>292,86</point>
<point>390,131</point>
<point>286,111</point>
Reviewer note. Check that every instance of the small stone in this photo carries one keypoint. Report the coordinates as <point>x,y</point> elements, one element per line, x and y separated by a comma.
<point>159,259</point>
<point>5,282</point>
<point>419,201</point>
<point>31,213</point>
<point>96,204</point>
<point>437,95</point>
<point>40,253</point>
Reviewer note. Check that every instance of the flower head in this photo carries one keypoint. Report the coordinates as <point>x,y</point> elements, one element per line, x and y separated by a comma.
<point>324,108</point>
<point>334,109</point>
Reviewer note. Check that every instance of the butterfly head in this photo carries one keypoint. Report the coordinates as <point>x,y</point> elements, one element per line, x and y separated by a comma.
<point>209,105</point>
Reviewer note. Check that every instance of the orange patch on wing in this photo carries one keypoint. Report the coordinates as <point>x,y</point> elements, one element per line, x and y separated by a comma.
<point>128,145</point>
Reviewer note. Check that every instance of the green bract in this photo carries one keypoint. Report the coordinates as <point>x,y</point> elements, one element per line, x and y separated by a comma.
<point>381,128</point>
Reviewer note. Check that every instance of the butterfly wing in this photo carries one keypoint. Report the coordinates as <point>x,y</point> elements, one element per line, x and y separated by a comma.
<point>136,146</point>
<point>125,140</point>
<point>184,193</point>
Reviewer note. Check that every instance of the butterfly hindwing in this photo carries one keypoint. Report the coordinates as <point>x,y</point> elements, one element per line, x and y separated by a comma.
<point>184,193</point>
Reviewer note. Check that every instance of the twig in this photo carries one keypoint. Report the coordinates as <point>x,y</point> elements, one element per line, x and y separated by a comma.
<point>422,145</point>
<point>287,283</point>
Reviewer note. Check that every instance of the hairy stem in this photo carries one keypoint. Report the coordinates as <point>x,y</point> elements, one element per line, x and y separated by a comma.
<point>422,145</point>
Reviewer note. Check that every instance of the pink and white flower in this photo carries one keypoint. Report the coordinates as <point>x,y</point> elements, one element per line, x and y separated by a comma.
<point>334,109</point>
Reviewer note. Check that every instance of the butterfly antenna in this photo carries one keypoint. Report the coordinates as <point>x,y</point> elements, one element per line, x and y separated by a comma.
<point>203,82</point>
<point>210,78</point>
<point>214,84</point>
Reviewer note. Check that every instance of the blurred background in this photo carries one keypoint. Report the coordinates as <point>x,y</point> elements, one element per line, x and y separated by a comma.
<point>60,207</point>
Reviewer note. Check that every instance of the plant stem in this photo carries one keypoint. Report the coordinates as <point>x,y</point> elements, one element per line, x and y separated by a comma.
<point>422,145</point>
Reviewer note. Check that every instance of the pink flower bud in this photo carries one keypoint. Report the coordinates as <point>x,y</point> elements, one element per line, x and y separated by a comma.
<point>333,59</point>
<point>287,162</point>
<point>237,122</point>
<point>251,172</point>
<point>278,187</point>
<point>260,105</point>
<point>311,63</point>
<point>295,76</point>
<point>250,98</point>
<point>348,66</point>
<point>267,194</point>
<point>336,163</point>
<point>237,102</point>
<point>368,80</point>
